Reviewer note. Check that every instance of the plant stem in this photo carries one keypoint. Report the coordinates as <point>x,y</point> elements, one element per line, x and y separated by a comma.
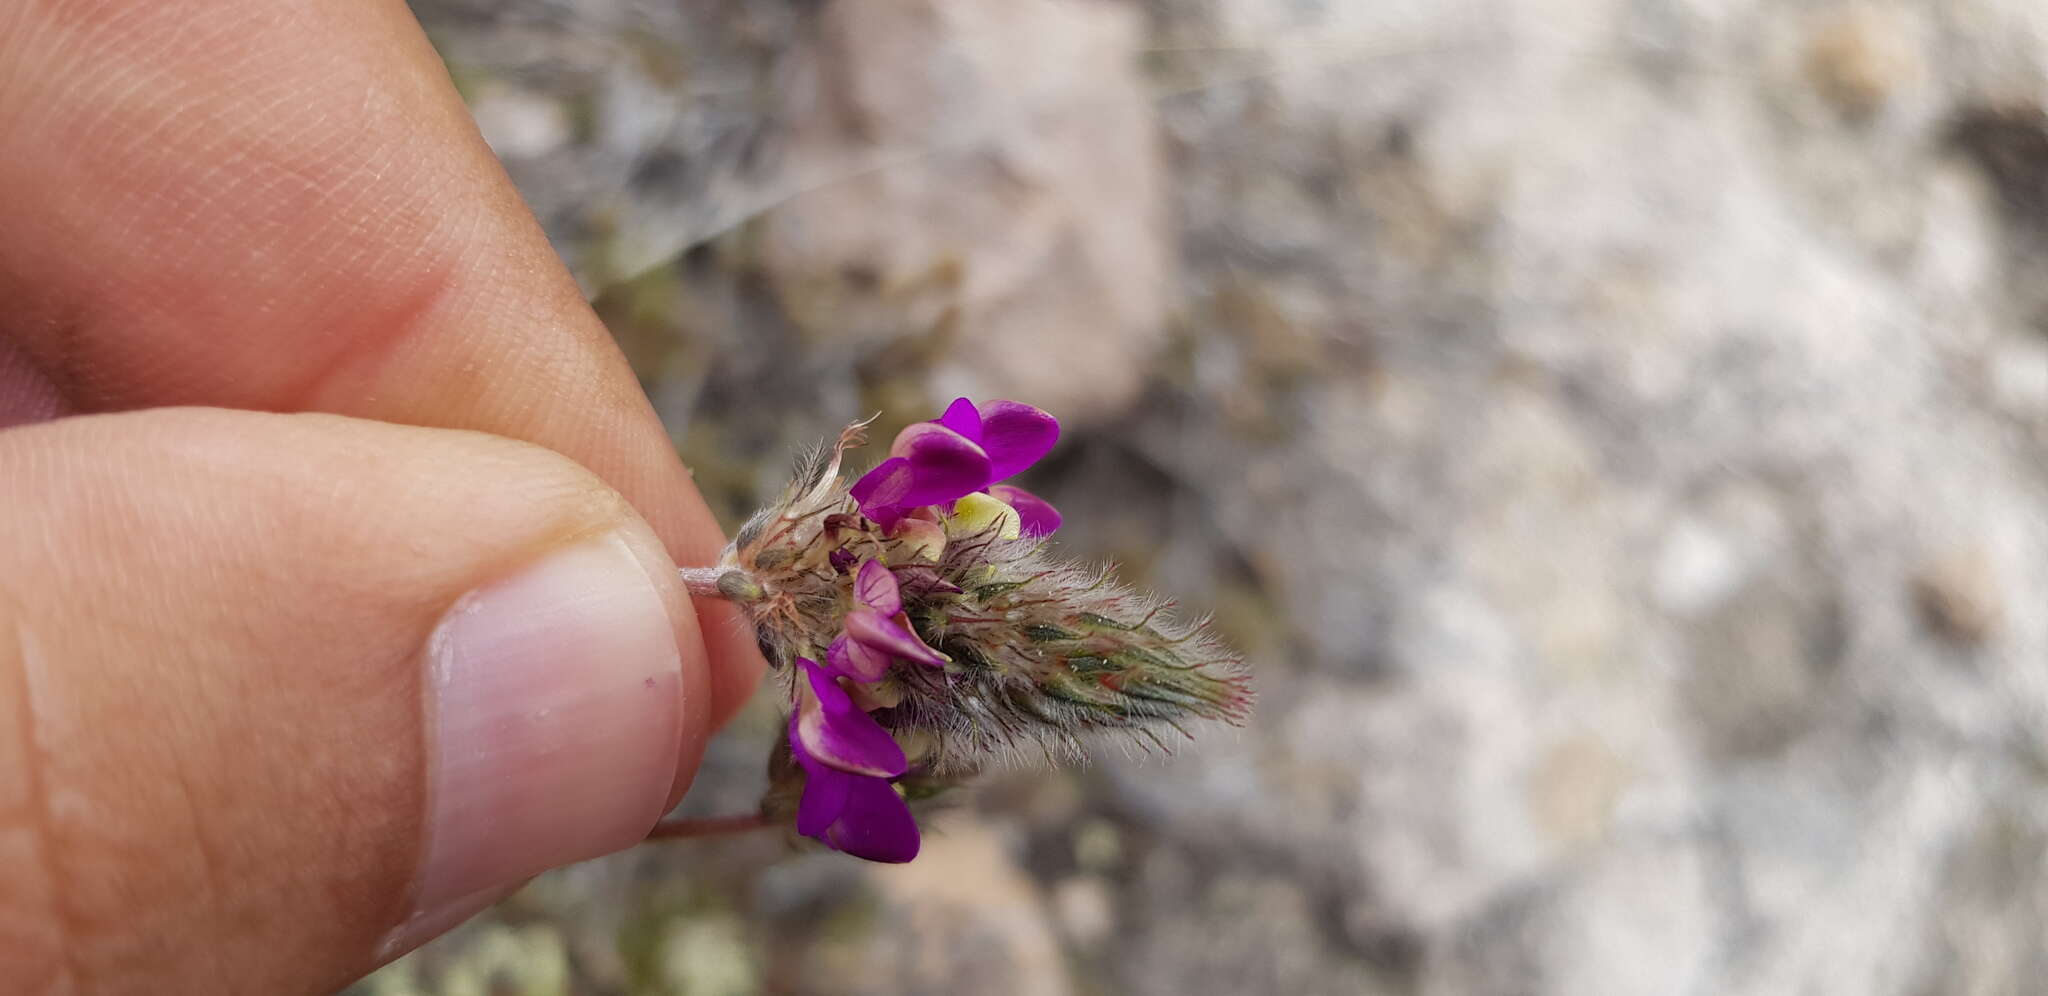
<point>703,580</point>
<point>710,826</point>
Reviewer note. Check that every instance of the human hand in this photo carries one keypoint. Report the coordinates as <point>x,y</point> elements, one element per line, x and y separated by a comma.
<point>295,680</point>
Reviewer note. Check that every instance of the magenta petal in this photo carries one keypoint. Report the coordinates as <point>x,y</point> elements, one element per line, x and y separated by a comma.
<point>824,799</point>
<point>880,491</point>
<point>875,824</point>
<point>825,790</point>
<point>1015,435</point>
<point>961,417</point>
<point>834,731</point>
<point>858,814</point>
<point>943,464</point>
<point>884,485</point>
<point>1038,516</point>
<point>857,660</point>
<point>891,637</point>
<point>875,587</point>
<point>826,691</point>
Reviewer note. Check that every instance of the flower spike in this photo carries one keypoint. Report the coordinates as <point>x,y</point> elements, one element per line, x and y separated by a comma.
<point>951,638</point>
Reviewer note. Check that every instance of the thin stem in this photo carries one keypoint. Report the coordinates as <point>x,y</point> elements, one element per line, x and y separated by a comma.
<point>729,583</point>
<point>703,580</point>
<point>710,826</point>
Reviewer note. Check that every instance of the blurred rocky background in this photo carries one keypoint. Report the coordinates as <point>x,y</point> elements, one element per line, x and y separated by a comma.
<point>1616,429</point>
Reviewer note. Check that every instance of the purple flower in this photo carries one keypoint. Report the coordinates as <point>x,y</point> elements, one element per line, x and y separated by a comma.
<point>834,731</point>
<point>859,814</point>
<point>963,451</point>
<point>877,632</point>
<point>848,759</point>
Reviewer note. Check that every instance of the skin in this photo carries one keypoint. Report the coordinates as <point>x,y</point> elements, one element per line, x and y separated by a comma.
<point>285,368</point>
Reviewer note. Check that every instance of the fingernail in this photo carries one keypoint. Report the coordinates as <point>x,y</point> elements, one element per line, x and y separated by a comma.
<point>553,720</point>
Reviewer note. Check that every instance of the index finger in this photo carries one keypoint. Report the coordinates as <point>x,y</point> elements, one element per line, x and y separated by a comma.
<point>283,205</point>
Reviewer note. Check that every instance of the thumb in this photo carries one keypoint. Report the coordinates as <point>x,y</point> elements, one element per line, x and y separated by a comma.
<point>281,696</point>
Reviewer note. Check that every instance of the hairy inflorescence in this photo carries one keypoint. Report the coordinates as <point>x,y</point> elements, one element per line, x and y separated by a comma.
<point>923,630</point>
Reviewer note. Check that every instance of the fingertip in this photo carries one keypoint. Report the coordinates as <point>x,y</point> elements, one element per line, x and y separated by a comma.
<point>389,669</point>
<point>556,711</point>
<point>696,688</point>
<point>734,665</point>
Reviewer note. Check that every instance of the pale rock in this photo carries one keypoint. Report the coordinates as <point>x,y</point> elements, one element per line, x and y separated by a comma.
<point>519,124</point>
<point>985,172</point>
<point>960,917</point>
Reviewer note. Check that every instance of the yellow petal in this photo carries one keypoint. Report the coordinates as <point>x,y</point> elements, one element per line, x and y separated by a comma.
<point>977,512</point>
